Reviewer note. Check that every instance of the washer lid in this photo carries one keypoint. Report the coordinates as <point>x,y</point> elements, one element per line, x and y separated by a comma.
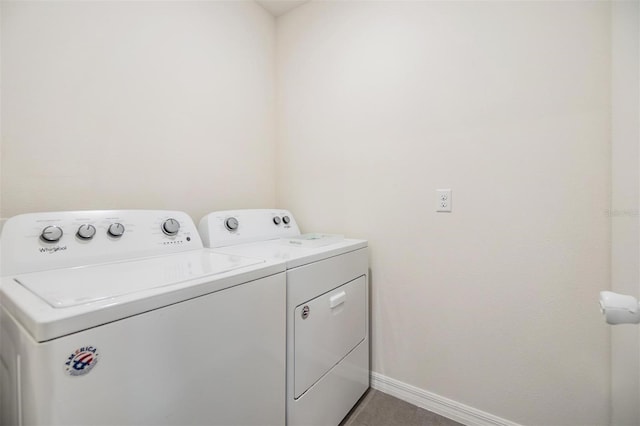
<point>63,288</point>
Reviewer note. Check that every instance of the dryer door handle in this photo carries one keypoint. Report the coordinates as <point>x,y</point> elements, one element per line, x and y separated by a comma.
<point>337,299</point>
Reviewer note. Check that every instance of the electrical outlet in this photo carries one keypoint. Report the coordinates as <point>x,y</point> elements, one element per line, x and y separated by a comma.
<point>443,200</point>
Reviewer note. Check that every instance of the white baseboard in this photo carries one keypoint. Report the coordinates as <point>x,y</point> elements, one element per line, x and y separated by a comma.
<point>438,404</point>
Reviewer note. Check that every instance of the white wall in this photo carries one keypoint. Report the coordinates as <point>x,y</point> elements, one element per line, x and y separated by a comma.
<point>137,105</point>
<point>508,104</point>
<point>625,205</point>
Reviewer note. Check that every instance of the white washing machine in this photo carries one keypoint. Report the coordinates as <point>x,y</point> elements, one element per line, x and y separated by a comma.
<point>123,318</point>
<point>327,307</point>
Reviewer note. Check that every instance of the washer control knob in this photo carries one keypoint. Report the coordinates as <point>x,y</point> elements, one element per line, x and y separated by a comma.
<point>286,220</point>
<point>116,230</point>
<point>86,231</point>
<point>170,226</point>
<point>277,220</point>
<point>51,234</point>
<point>231,223</point>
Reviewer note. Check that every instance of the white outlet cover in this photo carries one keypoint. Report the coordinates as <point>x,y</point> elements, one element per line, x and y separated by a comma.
<point>443,200</point>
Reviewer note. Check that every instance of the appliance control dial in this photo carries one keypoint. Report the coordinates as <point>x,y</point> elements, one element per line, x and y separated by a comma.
<point>116,229</point>
<point>51,234</point>
<point>231,223</point>
<point>86,231</point>
<point>170,226</point>
<point>286,220</point>
<point>276,220</point>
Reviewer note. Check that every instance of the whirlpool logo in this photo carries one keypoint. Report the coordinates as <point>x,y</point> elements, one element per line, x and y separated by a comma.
<point>52,250</point>
<point>81,361</point>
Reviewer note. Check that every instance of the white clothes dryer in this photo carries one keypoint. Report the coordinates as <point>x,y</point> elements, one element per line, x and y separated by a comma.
<point>327,307</point>
<point>122,317</point>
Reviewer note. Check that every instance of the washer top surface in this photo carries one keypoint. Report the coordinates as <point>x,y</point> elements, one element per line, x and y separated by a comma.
<point>55,288</point>
<point>62,288</point>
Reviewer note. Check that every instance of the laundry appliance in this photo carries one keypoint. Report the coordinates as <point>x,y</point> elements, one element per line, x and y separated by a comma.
<point>327,307</point>
<point>122,317</point>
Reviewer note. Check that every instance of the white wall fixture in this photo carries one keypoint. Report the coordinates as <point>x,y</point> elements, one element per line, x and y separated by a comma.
<point>443,200</point>
<point>619,308</point>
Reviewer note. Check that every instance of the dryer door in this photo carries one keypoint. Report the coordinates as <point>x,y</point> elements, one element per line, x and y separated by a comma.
<point>327,328</point>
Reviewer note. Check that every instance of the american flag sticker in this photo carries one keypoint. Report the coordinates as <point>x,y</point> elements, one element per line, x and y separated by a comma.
<point>81,361</point>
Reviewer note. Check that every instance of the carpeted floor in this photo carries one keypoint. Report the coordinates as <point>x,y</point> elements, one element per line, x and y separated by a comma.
<point>379,409</point>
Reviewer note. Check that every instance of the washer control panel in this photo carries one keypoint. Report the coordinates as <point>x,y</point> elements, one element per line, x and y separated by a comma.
<point>40,241</point>
<point>231,227</point>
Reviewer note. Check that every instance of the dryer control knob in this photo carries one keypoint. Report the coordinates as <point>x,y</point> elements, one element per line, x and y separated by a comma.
<point>277,220</point>
<point>286,220</point>
<point>116,230</point>
<point>51,234</point>
<point>86,231</point>
<point>170,226</point>
<point>231,223</point>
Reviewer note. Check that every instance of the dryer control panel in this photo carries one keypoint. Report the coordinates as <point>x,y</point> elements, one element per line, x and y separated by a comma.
<point>42,241</point>
<point>231,227</point>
